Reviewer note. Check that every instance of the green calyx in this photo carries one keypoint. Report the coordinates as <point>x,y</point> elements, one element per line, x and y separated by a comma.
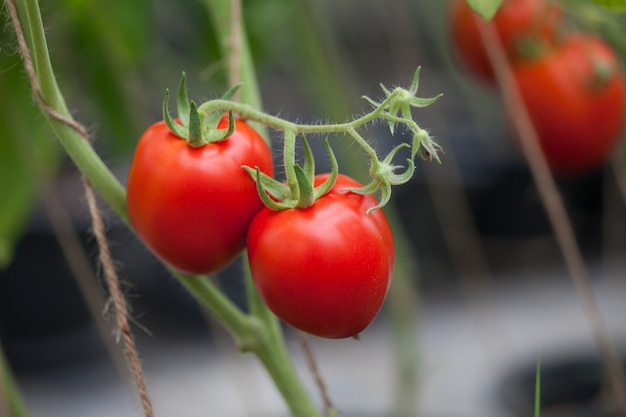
<point>299,191</point>
<point>397,105</point>
<point>396,108</point>
<point>191,126</point>
<point>603,72</point>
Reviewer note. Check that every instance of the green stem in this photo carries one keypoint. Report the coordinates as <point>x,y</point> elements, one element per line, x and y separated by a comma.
<point>363,143</point>
<point>41,59</point>
<point>245,329</point>
<point>289,155</point>
<point>274,356</point>
<point>249,112</point>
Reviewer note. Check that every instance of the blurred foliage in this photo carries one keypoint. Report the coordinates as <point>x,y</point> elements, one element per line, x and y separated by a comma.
<point>616,5</point>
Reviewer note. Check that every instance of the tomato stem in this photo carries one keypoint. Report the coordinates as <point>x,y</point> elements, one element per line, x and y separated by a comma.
<point>394,109</point>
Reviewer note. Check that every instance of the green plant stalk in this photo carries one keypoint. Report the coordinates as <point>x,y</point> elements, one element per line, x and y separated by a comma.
<point>243,328</point>
<point>14,404</point>
<point>248,112</point>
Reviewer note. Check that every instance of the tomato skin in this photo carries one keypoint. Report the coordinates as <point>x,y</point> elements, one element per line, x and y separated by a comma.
<point>325,269</point>
<point>515,20</point>
<point>578,117</point>
<point>192,206</point>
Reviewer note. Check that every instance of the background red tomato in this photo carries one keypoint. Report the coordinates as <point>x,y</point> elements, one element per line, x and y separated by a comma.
<point>575,97</point>
<point>192,206</point>
<point>324,269</point>
<point>515,22</point>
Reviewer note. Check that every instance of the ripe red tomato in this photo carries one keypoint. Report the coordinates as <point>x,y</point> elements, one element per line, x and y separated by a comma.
<point>324,269</point>
<point>192,206</point>
<point>515,21</point>
<point>574,95</point>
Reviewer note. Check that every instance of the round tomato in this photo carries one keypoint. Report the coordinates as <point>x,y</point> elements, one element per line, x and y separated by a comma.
<point>574,95</point>
<point>515,21</point>
<point>192,206</point>
<point>324,269</point>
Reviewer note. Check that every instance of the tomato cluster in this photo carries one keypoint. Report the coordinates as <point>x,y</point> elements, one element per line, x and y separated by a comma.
<point>324,269</point>
<point>570,82</point>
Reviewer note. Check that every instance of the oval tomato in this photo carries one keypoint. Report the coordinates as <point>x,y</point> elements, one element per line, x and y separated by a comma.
<point>192,206</point>
<point>324,269</point>
<point>574,95</point>
<point>515,21</point>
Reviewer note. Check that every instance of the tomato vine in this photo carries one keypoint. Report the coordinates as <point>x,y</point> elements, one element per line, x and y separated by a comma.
<point>394,109</point>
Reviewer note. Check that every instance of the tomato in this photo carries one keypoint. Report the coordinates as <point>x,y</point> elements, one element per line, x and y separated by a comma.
<point>574,95</point>
<point>324,269</point>
<point>192,206</point>
<point>515,21</point>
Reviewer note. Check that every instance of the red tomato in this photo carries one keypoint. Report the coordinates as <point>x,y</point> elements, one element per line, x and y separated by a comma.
<point>192,206</point>
<point>515,21</point>
<point>574,95</point>
<point>324,269</point>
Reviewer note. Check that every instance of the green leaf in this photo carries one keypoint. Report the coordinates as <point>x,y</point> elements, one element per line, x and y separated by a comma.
<point>614,5</point>
<point>486,8</point>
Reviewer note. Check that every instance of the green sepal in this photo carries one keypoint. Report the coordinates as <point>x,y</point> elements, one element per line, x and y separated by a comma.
<point>424,146</point>
<point>371,188</point>
<point>390,175</point>
<point>197,131</point>
<point>195,138</point>
<point>398,102</point>
<point>383,177</point>
<point>302,192</point>
<point>326,186</point>
<point>230,93</point>
<point>265,198</point>
<point>306,197</point>
<point>213,135</point>
<point>308,165</point>
<point>182,99</point>
<point>274,188</point>
<point>174,127</point>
